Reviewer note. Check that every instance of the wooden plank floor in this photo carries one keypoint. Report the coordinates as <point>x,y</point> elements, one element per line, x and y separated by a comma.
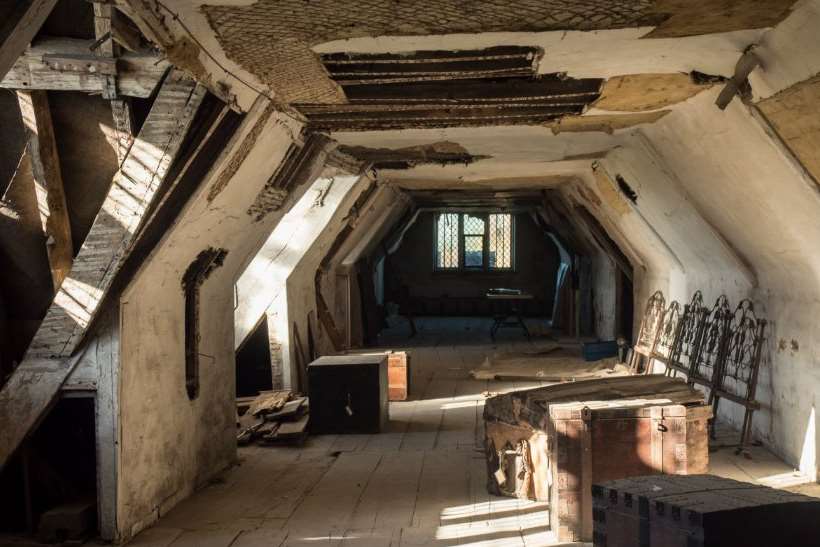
<point>421,482</point>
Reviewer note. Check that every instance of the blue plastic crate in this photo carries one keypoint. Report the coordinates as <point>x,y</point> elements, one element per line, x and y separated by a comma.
<point>594,351</point>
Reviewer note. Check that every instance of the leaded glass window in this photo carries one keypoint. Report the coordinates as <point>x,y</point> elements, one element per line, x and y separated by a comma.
<point>447,249</point>
<point>474,241</point>
<point>499,241</point>
<point>474,232</point>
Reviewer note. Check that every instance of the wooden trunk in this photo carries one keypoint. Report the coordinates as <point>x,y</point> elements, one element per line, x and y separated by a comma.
<point>398,375</point>
<point>570,435</point>
<point>700,511</point>
<point>590,445</point>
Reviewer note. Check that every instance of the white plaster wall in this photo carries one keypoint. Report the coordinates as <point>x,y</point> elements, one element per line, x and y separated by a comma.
<point>264,288</point>
<point>168,445</point>
<point>754,196</point>
<point>301,286</point>
<point>695,255</point>
<point>790,52</point>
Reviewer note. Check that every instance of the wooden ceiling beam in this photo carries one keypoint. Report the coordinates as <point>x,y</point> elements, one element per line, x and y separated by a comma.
<point>19,29</point>
<point>66,64</point>
<point>48,181</point>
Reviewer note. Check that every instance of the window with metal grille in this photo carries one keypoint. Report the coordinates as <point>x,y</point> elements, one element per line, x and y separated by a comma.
<point>447,248</point>
<point>499,242</point>
<point>474,241</point>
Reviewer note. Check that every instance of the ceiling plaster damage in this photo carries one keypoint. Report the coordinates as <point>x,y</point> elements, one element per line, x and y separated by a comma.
<point>429,105</point>
<point>437,153</point>
<point>273,38</point>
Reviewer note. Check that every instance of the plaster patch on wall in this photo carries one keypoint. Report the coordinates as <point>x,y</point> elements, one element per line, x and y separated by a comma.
<point>793,115</point>
<point>586,195</point>
<point>604,123</point>
<point>642,92</point>
<point>692,17</point>
<point>609,192</point>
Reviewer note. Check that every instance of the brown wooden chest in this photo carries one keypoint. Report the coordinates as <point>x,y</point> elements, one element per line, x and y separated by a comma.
<point>570,436</point>
<point>591,445</point>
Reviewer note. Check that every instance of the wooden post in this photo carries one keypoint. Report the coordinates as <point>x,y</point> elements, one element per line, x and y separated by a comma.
<point>18,30</point>
<point>48,180</point>
<point>120,108</point>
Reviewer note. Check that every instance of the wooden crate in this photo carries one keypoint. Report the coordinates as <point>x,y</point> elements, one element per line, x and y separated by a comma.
<point>600,444</point>
<point>700,511</point>
<point>595,430</point>
<point>398,375</point>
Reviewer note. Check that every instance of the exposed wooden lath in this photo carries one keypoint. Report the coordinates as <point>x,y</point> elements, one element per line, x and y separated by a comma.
<point>495,86</point>
<point>358,69</point>
<point>297,168</point>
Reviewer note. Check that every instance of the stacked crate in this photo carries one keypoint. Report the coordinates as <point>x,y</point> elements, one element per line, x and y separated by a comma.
<point>701,511</point>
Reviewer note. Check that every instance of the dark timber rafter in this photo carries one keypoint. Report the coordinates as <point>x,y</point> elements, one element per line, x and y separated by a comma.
<point>19,28</point>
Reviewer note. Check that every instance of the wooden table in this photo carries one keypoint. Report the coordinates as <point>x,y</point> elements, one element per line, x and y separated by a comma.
<point>512,319</point>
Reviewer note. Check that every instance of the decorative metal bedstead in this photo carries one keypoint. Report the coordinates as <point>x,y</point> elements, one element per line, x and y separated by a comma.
<point>715,348</point>
<point>686,342</point>
<point>740,364</point>
<point>641,361</point>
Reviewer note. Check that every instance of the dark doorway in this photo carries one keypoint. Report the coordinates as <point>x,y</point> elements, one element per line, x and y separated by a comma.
<point>253,366</point>
<point>55,467</point>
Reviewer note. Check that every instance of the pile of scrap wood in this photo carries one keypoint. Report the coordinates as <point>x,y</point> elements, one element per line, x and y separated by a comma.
<point>550,364</point>
<point>273,417</point>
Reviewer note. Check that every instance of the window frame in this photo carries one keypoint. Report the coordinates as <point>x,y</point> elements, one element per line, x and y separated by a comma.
<point>462,238</point>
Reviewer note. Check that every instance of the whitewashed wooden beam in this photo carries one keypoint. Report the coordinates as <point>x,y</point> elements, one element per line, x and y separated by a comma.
<point>53,353</point>
<point>110,236</point>
<point>18,30</point>
<point>67,64</point>
<point>48,182</point>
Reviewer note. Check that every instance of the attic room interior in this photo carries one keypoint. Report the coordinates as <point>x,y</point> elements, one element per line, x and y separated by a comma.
<point>400,273</point>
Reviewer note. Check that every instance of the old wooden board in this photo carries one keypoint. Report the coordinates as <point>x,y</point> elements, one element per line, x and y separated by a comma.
<point>552,364</point>
<point>66,64</point>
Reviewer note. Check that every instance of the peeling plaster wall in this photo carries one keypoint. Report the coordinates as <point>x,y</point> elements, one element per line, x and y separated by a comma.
<point>265,286</point>
<point>592,54</point>
<point>168,444</point>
